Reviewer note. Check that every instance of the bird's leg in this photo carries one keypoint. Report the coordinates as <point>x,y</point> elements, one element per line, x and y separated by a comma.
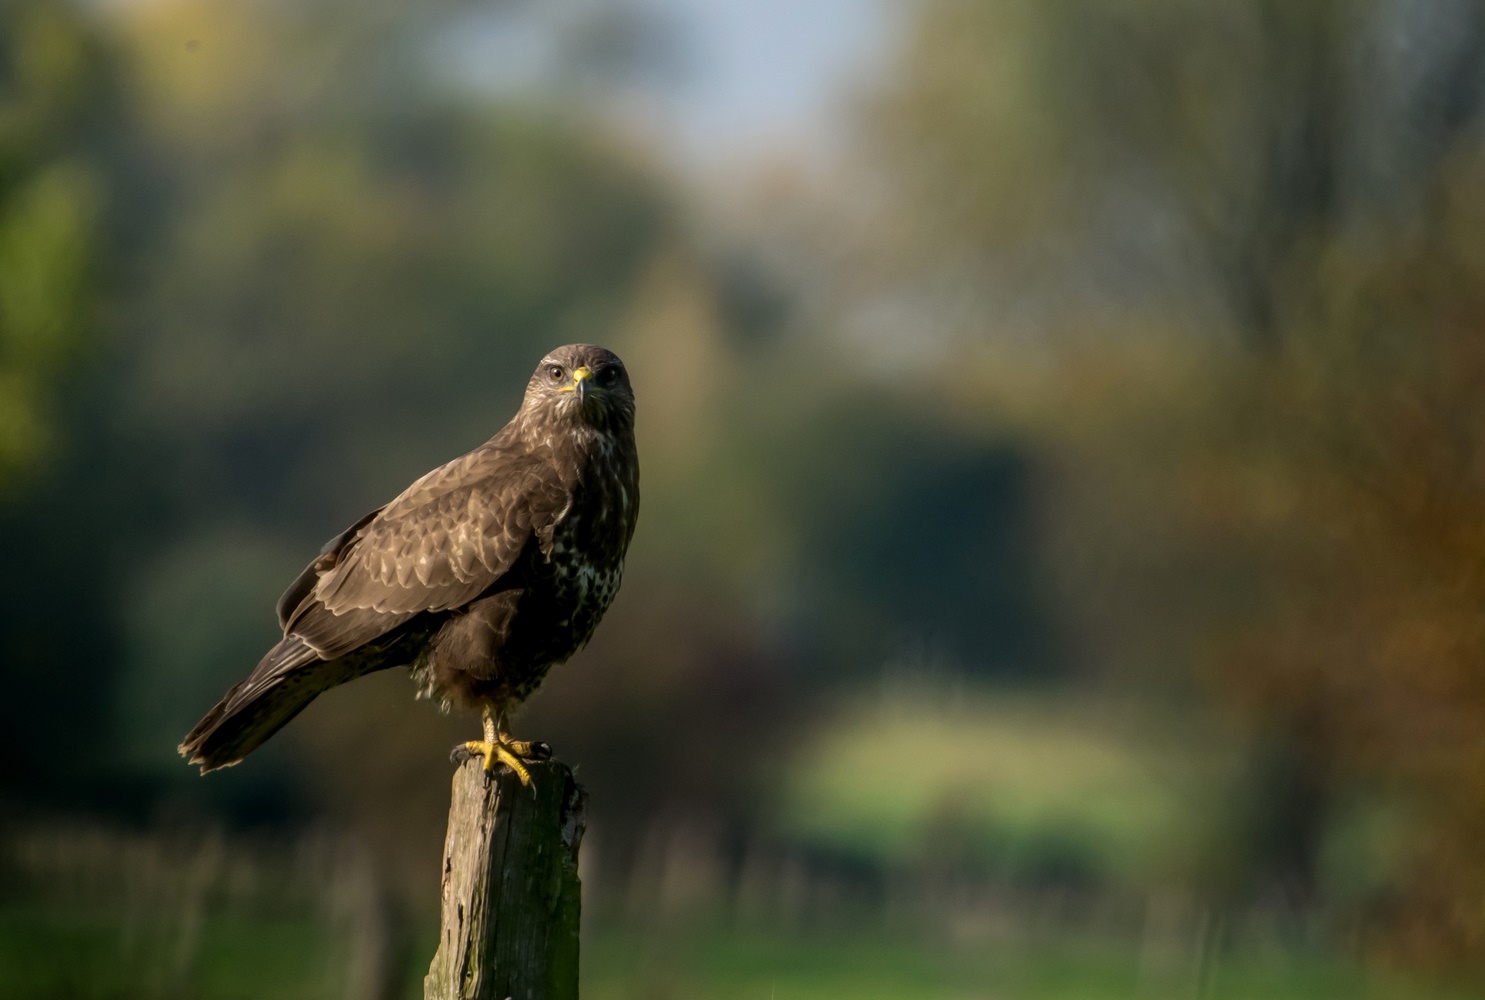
<point>498,746</point>
<point>534,750</point>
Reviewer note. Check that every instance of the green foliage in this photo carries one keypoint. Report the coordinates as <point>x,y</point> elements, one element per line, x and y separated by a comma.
<point>49,219</point>
<point>1026,788</point>
<point>1277,505</point>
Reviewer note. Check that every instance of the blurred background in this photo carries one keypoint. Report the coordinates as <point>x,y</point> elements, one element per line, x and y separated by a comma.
<point>1062,563</point>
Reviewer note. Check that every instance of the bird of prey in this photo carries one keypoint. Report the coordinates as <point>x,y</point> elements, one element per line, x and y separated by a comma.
<point>479,576</point>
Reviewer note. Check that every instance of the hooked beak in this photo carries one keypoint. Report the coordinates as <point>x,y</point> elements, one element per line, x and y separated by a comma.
<point>580,383</point>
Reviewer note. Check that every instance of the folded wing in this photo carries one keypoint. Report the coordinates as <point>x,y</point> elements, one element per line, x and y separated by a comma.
<point>447,539</point>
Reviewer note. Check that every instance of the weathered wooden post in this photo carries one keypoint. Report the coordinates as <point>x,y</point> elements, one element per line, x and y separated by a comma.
<point>511,896</point>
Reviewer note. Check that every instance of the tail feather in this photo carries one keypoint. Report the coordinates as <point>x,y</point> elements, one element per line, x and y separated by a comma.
<point>286,680</point>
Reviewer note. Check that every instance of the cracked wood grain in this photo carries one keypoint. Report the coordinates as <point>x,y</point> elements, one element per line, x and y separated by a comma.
<point>511,899</point>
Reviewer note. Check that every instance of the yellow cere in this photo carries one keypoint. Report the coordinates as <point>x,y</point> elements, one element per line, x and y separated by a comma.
<point>579,375</point>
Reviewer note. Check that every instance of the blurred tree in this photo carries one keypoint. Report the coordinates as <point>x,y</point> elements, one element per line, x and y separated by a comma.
<point>51,80</point>
<point>1183,153</point>
<point>57,246</point>
<point>1285,489</point>
<point>1366,641</point>
<point>917,539</point>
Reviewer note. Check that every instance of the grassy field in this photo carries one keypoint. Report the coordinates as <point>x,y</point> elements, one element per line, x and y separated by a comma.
<point>780,967</point>
<point>49,953</point>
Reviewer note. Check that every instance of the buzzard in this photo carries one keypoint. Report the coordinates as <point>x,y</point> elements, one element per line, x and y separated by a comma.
<point>479,576</point>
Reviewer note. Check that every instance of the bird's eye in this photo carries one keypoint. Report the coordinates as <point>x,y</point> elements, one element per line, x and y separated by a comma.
<point>608,376</point>
<point>556,372</point>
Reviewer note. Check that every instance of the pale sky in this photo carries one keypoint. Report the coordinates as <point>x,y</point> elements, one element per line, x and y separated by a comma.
<point>771,69</point>
<point>753,74</point>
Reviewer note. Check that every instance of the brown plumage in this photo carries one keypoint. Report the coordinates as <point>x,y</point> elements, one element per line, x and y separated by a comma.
<point>479,576</point>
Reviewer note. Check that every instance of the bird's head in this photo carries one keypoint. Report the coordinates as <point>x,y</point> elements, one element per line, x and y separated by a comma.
<point>582,382</point>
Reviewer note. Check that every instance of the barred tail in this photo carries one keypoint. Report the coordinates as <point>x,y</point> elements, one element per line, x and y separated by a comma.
<point>286,680</point>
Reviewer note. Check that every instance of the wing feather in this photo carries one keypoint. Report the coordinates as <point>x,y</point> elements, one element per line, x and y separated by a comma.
<point>305,582</point>
<point>448,538</point>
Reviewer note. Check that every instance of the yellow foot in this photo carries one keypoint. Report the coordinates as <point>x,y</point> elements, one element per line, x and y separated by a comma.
<point>512,753</point>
